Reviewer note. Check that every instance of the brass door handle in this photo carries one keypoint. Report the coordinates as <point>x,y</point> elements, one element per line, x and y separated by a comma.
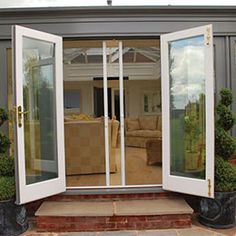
<point>20,114</point>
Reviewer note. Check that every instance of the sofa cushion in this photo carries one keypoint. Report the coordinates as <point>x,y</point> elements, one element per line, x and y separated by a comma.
<point>144,133</point>
<point>114,132</point>
<point>132,124</point>
<point>148,123</point>
<point>67,118</point>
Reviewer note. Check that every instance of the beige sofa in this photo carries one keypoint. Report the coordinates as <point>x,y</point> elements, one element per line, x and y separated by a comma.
<point>139,130</point>
<point>85,147</point>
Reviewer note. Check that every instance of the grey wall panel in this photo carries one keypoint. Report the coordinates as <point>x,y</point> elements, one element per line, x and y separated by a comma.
<point>102,22</point>
<point>220,66</point>
<point>3,73</point>
<point>233,74</point>
<point>3,77</point>
<point>115,29</point>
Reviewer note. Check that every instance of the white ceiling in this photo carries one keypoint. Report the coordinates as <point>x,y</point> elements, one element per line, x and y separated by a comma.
<point>151,53</point>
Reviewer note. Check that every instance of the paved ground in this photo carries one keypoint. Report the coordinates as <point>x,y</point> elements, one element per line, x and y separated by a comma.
<point>196,230</point>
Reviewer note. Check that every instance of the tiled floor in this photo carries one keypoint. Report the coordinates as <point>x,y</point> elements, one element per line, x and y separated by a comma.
<point>137,174</point>
<point>196,230</point>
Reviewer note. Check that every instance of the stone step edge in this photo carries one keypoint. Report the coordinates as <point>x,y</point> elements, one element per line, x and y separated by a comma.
<point>113,208</point>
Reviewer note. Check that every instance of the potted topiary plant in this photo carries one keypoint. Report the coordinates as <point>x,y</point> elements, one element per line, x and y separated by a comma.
<point>220,211</point>
<point>12,217</point>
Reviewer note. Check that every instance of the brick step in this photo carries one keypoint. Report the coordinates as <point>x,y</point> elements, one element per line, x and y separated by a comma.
<point>72,216</point>
<point>117,196</point>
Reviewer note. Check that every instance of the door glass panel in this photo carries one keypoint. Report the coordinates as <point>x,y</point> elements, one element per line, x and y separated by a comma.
<point>84,113</point>
<point>84,106</point>
<point>39,104</point>
<point>187,107</point>
<point>143,136</point>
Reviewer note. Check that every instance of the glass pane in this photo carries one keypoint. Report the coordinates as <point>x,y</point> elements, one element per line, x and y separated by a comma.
<point>39,101</point>
<point>142,91</point>
<point>187,107</point>
<point>84,114</point>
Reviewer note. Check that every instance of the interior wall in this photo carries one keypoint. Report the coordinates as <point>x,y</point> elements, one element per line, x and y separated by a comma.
<point>86,90</point>
<point>134,91</point>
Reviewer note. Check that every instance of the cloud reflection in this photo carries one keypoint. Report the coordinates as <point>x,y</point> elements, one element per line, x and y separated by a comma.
<point>187,70</point>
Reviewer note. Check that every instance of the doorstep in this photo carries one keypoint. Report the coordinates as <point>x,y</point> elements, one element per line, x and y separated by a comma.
<point>71,216</point>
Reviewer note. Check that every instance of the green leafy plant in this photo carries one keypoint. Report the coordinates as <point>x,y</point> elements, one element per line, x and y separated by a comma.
<point>191,129</point>
<point>3,116</point>
<point>4,143</point>
<point>225,175</point>
<point>7,180</point>
<point>6,165</point>
<point>7,187</point>
<point>225,144</point>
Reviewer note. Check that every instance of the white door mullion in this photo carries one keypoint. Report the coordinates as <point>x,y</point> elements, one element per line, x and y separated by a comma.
<point>107,156</point>
<point>122,133</point>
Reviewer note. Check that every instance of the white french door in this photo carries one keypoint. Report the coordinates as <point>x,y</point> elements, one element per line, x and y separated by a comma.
<point>39,128</point>
<point>188,111</point>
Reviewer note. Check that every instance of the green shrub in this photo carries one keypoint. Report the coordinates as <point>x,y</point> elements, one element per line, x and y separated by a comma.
<point>7,187</point>
<point>7,178</point>
<point>226,97</point>
<point>6,165</point>
<point>3,116</point>
<point>226,117</point>
<point>225,176</point>
<point>4,143</point>
<point>225,144</point>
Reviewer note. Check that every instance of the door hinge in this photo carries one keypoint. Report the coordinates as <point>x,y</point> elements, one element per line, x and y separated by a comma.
<point>209,188</point>
<point>20,115</point>
<point>208,36</point>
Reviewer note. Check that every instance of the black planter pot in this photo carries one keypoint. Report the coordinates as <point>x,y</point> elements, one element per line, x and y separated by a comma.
<point>13,219</point>
<point>219,212</point>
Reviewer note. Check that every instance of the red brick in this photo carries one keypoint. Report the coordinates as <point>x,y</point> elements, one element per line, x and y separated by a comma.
<point>126,226</point>
<point>154,218</point>
<point>90,220</point>
<point>105,196</point>
<point>174,217</point>
<point>117,219</point>
<point>182,224</point>
<point>107,225</point>
<point>60,224</point>
<point>136,219</point>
